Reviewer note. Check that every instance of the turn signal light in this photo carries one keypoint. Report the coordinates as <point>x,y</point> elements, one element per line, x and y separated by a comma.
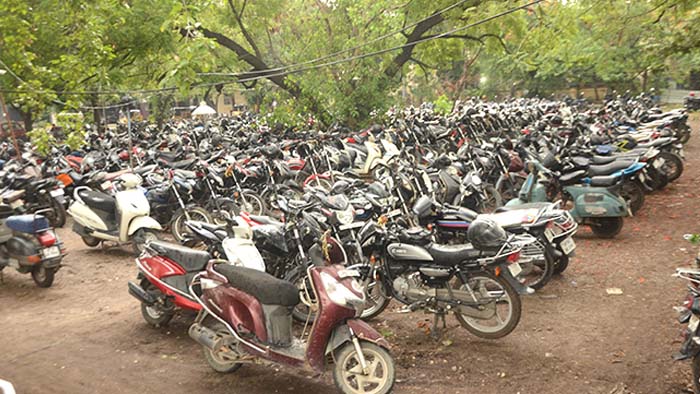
<point>47,238</point>
<point>512,258</point>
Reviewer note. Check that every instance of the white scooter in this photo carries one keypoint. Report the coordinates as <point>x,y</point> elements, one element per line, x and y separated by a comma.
<point>122,219</point>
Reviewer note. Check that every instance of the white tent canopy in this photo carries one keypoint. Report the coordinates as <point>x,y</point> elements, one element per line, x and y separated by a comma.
<point>203,109</point>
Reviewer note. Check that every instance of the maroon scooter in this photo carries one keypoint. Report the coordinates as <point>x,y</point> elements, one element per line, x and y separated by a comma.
<point>246,317</point>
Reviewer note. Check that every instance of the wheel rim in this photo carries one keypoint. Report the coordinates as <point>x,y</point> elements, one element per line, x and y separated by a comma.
<point>153,312</point>
<point>498,302</point>
<point>222,357</point>
<point>252,205</point>
<point>359,382</point>
<point>195,215</point>
<point>40,273</point>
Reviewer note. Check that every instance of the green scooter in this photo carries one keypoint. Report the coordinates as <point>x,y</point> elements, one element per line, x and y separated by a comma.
<point>600,208</point>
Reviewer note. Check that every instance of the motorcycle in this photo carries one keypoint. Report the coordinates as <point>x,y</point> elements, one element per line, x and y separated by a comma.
<point>29,245</point>
<point>247,316</point>
<point>689,313</point>
<point>124,218</point>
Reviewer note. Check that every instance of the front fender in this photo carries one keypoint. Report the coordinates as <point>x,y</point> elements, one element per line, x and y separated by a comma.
<point>140,222</point>
<point>362,330</point>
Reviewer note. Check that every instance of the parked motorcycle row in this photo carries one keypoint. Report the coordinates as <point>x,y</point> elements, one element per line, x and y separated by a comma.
<point>457,214</point>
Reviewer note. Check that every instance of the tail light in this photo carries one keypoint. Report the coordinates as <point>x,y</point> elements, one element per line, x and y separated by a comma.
<point>513,257</point>
<point>47,238</point>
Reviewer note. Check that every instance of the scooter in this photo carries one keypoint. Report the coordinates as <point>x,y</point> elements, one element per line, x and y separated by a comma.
<point>247,317</point>
<point>29,245</point>
<point>124,218</point>
<point>166,269</point>
<point>600,208</point>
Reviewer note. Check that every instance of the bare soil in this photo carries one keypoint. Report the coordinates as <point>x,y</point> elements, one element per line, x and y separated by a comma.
<point>86,335</point>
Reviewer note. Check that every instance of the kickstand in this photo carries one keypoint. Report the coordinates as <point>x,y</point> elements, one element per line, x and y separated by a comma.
<point>436,331</point>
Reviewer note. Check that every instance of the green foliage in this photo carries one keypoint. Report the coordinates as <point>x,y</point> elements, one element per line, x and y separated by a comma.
<point>443,105</point>
<point>74,129</point>
<point>42,139</point>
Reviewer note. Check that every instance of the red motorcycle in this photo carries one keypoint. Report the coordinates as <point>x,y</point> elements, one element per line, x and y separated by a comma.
<point>247,314</point>
<point>165,272</point>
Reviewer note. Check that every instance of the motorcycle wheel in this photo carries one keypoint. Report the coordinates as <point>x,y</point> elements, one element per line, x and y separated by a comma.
<point>59,210</point>
<point>540,272</point>
<point>375,294</point>
<point>696,373</point>
<point>301,312</point>
<point>672,167</point>
<point>485,284</point>
<point>141,237</point>
<point>253,204</point>
<point>561,265</point>
<point>348,375</point>
<point>228,209</point>
<point>657,179</point>
<point>683,134</point>
<point>221,361</point>
<point>155,315</point>
<point>42,276</point>
<point>90,241</point>
<point>606,227</point>
<point>493,199</point>
<point>633,194</point>
<point>177,225</point>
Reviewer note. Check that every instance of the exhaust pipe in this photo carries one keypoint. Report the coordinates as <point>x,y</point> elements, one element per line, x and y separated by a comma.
<point>140,294</point>
<point>205,337</point>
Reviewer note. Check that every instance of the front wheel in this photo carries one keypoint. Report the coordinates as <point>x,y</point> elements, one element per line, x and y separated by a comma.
<point>633,194</point>
<point>499,307</point>
<point>43,277</point>
<point>606,227</point>
<point>59,211</point>
<point>252,203</point>
<point>141,237</point>
<point>490,200</point>
<point>349,376</point>
<point>672,165</point>
<point>177,225</point>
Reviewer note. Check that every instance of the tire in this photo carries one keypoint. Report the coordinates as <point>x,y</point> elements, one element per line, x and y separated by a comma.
<point>546,268</point>
<point>60,212</point>
<point>493,200</point>
<point>673,165</point>
<point>215,361</point>
<point>297,276</point>
<point>254,204</point>
<point>683,134</point>
<point>228,209</point>
<point>657,179</point>
<point>378,361</point>
<point>478,282</point>
<point>42,276</point>
<point>633,194</point>
<point>155,315</point>
<point>696,373</point>
<point>141,237</point>
<point>561,265</point>
<point>606,227</point>
<point>177,224</point>
<point>90,241</point>
<point>376,295</point>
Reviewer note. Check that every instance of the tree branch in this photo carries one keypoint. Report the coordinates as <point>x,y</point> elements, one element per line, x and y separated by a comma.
<point>245,32</point>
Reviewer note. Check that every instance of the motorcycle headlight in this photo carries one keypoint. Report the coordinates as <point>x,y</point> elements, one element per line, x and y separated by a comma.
<point>345,217</point>
<point>339,294</point>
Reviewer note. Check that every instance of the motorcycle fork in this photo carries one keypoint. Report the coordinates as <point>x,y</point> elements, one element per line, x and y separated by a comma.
<point>179,200</point>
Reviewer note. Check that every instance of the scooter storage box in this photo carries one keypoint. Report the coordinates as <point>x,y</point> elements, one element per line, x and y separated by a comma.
<point>27,223</point>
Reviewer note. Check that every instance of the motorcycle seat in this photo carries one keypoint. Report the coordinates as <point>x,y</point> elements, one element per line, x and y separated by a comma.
<point>604,180</point>
<point>185,174</point>
<point>529,205</point>
<point>264,287</point>
<point>167,156</point>
<point>454,254</point>
<point>190,259</point>
<point>27,223</point>
<point>39,184</point>
<point>144,169</point>
<point>607,169</point>
<point>265,220</point>
<point>98,200</point>
<point>596,159</point>
<point>572,177</point>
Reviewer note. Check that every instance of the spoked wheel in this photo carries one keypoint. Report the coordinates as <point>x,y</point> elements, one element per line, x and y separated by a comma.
<point>251,203</point>
<point>672,165</point>
<point>349,376</point>
<point>491,201</point>
<point>226,359</point>
<point>177,225</point>
<point>606,227</point>
<point>633,194</point>
<point>226,211</point>
<point>499,302</point>
<point>157,315</point>
<point>42,276</point>
<point>375,295</point>
<point>142,237</point>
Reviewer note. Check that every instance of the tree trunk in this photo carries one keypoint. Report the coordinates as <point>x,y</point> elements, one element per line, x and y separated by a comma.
<point>96,113</point>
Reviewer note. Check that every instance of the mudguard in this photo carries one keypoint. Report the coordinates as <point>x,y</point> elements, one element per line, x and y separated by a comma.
<point>140,222</point>
<point>519,287</point>
<point>362,330</point>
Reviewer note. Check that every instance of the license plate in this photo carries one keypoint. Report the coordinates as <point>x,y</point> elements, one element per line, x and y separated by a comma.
<point>51,252</point>
<point>549,234</point>
<point>567,245</point>
<point>658,163</point>
<point>56,193</point>
<point>351,226</point>
<point>693,325</point>
<point>515,269</point>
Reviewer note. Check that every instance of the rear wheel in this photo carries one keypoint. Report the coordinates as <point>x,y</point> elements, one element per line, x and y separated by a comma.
<point>349,376</point>
<point>43,277</point>
<point>606,227</point>
<point>90,241</point>
<point>158,314</point>
<point>251,203</point>
<point>224,360</point>
<point>141,237</point>
<point>499,302</point>
<point>633,194</point>
<point>673,165</point>
<point>536,274</point>
<point>561,264</point>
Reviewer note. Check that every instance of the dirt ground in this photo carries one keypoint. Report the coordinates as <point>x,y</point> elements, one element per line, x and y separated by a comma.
<point>86,335</point>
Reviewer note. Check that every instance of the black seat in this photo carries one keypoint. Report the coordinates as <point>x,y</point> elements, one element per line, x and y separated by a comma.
<point>572,177</point>
<point>168,156</point>
<point>265,287</point>
<point>182,164</point>
<point>604,180</point>
<point>454,254</point>
<point>190,259</point>
<point>98,200</point>
<point>144,169</point>
<point>265,220</point>
<point>607,169</point>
